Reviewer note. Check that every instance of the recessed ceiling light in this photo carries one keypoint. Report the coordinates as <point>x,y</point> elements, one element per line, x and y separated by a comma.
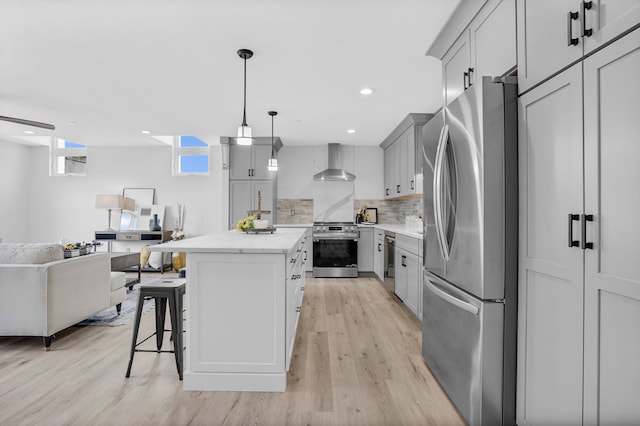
<point>351,131</point>
<point>73,123</point>
<point>29,132</point>
<point>366,91</point>
<point>146,132</point>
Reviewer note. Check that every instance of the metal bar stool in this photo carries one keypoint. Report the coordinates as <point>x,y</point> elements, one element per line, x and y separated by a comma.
<point>161,291</point>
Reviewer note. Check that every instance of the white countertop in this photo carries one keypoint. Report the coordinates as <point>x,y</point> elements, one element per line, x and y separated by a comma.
<point>397,228</point>
<point>281,241</point>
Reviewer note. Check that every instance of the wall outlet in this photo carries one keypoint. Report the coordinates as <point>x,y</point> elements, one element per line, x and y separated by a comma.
<point>293,212</point>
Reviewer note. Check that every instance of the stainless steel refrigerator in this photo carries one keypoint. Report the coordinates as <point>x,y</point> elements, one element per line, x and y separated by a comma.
<point>470,250</point>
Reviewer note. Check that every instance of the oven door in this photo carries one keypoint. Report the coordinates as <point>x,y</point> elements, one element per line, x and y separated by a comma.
<point>335,257</point>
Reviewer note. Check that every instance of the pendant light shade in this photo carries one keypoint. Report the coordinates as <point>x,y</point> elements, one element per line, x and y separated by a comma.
<point>273,161</point>
<point>244,131</point>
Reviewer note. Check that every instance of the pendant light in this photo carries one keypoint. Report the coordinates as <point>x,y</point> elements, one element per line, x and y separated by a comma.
<point>244,131</point>
<point>273,161</point>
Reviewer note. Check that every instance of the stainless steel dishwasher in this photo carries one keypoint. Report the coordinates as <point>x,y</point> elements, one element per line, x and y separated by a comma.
<point>389,261</point>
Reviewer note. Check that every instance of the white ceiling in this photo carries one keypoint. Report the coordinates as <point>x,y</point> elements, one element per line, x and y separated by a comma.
<point>117,67</point>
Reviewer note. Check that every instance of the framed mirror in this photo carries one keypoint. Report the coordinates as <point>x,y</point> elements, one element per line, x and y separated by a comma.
<point>143,198</point>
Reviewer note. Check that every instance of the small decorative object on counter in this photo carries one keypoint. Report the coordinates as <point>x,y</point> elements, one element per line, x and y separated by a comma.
<point>244,224</point>
<point>77,249</point>
<point>154,224</point>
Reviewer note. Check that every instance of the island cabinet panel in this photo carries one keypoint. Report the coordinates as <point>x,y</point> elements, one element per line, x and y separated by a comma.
<point>252,302</point>
<point>239,323</point>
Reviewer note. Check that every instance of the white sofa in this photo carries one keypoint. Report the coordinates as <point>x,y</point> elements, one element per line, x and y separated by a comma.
<point>42,293</point>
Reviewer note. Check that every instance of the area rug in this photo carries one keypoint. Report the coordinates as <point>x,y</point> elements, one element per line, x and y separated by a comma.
<point>109,316</point>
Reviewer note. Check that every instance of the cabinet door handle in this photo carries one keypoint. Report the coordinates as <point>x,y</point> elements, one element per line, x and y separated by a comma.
<point>403,259</point>
<point>585,245</point>
<point>465,78</point>
<point>571,16</point>
<point>249,172</point>
<point>412,185</point>
<point>398,189</point>
<point>379,245</point>
<point>586,5</point>
<point>572,242</point>
<point>470,72</point>
<point>386,192</point>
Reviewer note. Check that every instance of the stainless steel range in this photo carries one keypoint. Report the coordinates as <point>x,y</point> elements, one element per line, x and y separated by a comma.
<point>335,250</point>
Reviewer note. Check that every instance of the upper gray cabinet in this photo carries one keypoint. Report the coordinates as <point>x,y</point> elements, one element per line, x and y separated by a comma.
<point>486,47</point>
<point>249,162</point>
<point>555,34</point>
<point>402,164</point>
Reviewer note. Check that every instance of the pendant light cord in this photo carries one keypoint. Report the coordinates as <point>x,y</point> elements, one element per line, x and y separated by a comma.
<point>272,151</point>
<point>244,107</point>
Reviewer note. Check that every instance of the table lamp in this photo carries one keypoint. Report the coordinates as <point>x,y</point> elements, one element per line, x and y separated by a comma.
<point>109,202</point>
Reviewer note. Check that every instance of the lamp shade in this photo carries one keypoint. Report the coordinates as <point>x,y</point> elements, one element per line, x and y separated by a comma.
<point>109,201</point>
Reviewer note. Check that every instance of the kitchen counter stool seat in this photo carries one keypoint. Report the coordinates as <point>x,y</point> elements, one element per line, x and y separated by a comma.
<point>162,290</point>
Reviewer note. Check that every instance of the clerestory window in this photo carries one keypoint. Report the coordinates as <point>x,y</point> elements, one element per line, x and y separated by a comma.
<point>190,156</point>
<point>67,158</point>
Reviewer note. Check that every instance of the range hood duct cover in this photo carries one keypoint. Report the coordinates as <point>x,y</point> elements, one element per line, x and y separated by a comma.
<point>334,172</point>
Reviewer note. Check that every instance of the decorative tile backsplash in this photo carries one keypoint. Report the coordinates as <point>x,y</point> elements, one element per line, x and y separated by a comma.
<point>299,211</point>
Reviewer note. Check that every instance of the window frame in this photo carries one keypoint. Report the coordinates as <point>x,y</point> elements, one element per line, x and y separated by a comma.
<point>178,151</point>
<point>56,153</point>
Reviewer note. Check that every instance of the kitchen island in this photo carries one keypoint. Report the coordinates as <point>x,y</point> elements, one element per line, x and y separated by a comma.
<point>244,295</point>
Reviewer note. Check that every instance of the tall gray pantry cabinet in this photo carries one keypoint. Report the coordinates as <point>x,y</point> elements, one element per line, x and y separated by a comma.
<point>248,175</point>
<point>579,269</point>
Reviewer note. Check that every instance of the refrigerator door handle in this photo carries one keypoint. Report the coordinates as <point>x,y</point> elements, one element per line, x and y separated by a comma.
<point>437,192</point>
<point>468,307</point>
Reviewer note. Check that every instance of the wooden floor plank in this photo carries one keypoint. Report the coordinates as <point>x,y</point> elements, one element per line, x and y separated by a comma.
<point>356,361</point>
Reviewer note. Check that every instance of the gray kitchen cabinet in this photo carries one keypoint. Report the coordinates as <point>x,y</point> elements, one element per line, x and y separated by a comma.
<point>402,273</point>
<point>408,273</point>
<point>611,272</point>
<point>243,196</point>
<point>402,163</point>
<point>365,249</point>
<point>249,162</point>
<point>550,39</point>
<point>248,174</point>
<point>487,47</point>
<point>378,253</point>
<point>579,283</point>
<point>295,286</point>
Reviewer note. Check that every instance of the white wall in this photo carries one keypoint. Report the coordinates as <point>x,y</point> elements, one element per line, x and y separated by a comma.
<point>64,206</point>
<point>15,188</point>
<point>298,164</point>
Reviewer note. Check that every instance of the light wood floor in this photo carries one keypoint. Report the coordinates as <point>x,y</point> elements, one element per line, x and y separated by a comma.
<point>357,361</point>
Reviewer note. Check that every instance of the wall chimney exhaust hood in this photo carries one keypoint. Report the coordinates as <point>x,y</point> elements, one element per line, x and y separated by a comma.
<point>334,172</point>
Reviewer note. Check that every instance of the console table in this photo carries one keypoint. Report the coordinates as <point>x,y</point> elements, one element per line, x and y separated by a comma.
<point>147,237</point>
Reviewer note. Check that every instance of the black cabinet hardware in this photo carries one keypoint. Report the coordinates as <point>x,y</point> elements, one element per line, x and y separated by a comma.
<point>571,16</point>
<point>586,5</point>
<point>586,218</point>
<point>572,242</point>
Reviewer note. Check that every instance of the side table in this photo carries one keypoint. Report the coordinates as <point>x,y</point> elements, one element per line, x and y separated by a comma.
<point>126,260</point>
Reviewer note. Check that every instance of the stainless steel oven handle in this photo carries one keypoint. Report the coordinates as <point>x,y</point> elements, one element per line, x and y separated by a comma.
<point>317,240</point>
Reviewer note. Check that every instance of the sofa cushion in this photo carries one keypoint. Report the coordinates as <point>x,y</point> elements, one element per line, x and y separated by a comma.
<point>30,253</point>
<point>118,280</point>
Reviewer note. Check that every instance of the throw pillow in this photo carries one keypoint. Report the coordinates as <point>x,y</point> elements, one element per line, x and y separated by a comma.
<point>144,256</point>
